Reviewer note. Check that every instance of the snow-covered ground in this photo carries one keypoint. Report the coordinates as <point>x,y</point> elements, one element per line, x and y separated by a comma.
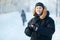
<point>11,27</point>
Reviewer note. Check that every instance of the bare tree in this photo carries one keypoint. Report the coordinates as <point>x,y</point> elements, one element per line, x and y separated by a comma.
<point>56,8</point>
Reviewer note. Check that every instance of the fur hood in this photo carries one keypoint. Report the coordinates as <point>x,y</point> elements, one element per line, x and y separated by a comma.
<point>44,14</point>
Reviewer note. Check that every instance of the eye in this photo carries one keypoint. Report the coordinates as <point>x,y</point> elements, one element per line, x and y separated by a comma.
<point>37,8</point>
<point>40,8</point>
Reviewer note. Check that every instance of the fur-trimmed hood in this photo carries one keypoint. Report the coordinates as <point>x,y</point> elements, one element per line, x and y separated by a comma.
<point>44,14</point>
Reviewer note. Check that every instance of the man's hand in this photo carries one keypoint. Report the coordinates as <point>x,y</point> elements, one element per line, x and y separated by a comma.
<point>32,26</point>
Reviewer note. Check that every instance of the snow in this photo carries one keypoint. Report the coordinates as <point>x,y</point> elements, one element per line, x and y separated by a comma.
<point>11,27</point>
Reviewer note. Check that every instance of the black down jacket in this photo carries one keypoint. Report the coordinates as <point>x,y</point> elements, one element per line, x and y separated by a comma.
<point>43,28</point>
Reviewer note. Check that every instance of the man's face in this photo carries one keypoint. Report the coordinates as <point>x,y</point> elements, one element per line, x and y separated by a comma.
<point>39,10</point>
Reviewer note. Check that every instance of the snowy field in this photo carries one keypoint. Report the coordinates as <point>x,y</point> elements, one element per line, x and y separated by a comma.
<point>11,27</point>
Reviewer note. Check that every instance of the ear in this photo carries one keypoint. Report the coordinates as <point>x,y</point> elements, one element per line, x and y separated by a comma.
<point>44,13</point>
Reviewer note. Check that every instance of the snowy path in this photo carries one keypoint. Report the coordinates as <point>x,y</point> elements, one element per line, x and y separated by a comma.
<point>11,27</point>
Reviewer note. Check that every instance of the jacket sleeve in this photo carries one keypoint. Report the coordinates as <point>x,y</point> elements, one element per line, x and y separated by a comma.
<point>47,30</point>
<point>28,30</point>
